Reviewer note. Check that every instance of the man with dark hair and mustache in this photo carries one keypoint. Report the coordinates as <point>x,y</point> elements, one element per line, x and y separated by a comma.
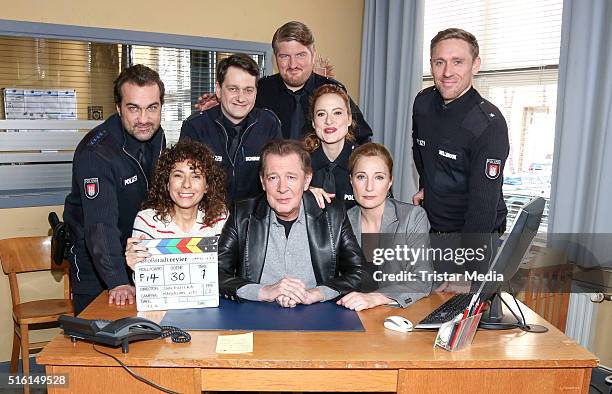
<point>111,169</point>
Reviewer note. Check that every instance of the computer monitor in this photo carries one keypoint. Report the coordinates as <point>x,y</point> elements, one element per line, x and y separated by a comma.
<point>507,261</point>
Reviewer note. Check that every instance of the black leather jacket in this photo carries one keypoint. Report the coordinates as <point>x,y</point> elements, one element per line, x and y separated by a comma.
<point>337,259</point>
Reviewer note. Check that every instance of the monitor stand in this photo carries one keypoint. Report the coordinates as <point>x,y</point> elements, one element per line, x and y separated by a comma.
<point>494,319</point>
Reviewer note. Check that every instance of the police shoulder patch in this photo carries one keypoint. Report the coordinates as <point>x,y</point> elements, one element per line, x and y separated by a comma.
<point>91,187</point>
<point>492,168</point>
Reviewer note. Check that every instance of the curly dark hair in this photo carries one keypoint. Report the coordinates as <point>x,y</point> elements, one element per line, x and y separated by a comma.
<point>213,202</point>
<point>310,139</point>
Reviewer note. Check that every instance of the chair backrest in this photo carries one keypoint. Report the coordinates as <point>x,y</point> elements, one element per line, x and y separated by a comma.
<point>25,254</point>
<point>547,292</point>
<point>28,254</point>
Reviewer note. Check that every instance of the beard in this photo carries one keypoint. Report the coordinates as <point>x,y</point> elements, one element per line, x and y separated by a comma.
<point>142,132</point>
<point>296,80</point>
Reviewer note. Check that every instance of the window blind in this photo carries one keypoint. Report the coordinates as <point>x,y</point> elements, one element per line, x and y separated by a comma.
<point>511,34</point>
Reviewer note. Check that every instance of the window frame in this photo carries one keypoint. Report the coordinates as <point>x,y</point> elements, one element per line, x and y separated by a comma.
<point>11,28</point>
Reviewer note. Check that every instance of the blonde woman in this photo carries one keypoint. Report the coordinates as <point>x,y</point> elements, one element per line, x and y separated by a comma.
<point>371,167</point>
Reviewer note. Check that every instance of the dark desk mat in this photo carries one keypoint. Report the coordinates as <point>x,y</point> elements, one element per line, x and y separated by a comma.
<point>231,315</point>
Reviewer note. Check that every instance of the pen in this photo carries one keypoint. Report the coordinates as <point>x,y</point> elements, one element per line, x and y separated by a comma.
<point>468,309</point>
<point>474,307</point>
<point>474,299</point>
<point>466,312</point>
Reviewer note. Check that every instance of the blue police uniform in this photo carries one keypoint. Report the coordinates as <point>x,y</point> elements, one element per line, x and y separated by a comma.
<point>108,187</point>
<point>324,170</point>
<point>460,150</point>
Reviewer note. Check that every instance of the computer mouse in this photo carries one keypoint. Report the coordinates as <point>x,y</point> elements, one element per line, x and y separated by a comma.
<point>398,323</point>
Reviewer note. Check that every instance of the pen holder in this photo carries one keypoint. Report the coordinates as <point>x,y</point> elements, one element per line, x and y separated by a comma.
<point>457,333</point>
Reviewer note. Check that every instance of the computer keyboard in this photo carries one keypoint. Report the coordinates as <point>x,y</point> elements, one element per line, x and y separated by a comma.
<point>447,311</point>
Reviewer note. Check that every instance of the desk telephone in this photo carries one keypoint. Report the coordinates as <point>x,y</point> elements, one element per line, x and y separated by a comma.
<point>118,332</point>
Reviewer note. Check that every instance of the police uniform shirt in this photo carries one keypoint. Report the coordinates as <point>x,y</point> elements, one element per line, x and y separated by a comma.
<point>460,150</point>
<point>272,93</point>
<point>321,165</point>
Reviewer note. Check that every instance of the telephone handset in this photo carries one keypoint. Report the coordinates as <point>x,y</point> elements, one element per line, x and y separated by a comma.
<point>129,326</point>
<point>115,333</point>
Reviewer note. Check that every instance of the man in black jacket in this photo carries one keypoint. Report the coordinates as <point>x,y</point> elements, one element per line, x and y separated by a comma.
<point>282,247</point>
<point>235,131</point>
<point>111,169</point>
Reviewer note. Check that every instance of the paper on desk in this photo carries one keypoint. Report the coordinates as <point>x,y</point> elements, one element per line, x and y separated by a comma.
<point>234,344</point>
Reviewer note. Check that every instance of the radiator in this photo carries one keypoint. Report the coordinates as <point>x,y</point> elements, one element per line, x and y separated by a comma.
<point>580,315</point>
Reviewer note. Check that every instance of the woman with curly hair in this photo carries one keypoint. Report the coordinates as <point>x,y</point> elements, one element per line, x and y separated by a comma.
<point>330,144</point>
<point>185,199</point>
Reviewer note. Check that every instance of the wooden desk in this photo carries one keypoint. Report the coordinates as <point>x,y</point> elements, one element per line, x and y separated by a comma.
<point>376,360</point>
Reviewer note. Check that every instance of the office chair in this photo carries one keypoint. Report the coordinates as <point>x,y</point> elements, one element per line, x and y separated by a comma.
<point>30,254</point>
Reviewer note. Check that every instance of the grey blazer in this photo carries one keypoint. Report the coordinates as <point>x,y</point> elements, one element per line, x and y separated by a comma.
<point>410,225</point>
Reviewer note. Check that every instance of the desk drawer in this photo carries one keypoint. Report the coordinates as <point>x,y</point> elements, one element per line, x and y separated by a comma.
<point>494,381</point>
<point>299,380</point>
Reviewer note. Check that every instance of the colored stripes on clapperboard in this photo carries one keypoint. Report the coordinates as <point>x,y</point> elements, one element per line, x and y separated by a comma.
<point>180,245</point>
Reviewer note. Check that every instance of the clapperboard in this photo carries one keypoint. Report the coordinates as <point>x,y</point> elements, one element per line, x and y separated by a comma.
<point>181,273</point>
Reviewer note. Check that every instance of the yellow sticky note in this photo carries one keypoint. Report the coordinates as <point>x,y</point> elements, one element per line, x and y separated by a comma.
<point>234,344</point>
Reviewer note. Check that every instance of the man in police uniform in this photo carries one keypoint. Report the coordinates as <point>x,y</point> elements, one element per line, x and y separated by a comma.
<point>111,169</point>
<point>288,92</point>
<point>460,143</point>
<point>235,131</point>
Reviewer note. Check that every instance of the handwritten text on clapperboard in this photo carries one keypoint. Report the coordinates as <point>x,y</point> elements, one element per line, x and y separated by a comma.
<point>181,273</point>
